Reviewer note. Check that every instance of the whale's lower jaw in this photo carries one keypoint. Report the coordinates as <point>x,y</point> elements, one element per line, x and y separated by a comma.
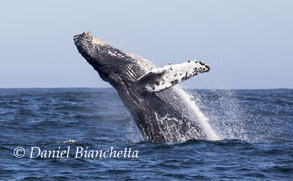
<point>158,109</point>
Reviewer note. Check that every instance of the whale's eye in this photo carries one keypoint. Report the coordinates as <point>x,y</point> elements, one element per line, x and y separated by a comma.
<point>105,68</point>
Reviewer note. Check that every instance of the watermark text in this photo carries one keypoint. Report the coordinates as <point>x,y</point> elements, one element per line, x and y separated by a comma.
<point>76,152</point>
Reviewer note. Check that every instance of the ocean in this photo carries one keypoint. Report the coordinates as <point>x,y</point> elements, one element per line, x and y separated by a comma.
<point>78,133</point>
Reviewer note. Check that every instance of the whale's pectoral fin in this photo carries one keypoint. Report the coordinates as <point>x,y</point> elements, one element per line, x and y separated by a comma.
<point>159,79</point>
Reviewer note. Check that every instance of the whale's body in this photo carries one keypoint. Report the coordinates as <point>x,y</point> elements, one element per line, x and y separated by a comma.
<point>160,110</point>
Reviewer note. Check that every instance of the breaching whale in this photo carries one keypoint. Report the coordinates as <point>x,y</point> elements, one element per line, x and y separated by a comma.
<point>160,111</point>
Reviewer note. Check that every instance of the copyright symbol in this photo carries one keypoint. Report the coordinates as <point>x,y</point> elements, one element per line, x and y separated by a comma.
<point>19,152</point>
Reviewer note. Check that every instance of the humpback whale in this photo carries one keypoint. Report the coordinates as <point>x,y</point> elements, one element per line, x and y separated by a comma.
<point>158,108</point>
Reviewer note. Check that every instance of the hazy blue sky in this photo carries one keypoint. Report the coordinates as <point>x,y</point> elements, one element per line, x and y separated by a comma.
<point>248,43</point>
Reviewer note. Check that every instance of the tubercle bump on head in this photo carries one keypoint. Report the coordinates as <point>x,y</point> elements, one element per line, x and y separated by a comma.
<point>94,40</point>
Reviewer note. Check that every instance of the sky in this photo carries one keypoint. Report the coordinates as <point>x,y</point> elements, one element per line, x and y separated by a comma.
<point>248,44</point>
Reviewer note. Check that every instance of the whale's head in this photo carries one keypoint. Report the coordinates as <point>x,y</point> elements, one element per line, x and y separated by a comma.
<point>112,64</point>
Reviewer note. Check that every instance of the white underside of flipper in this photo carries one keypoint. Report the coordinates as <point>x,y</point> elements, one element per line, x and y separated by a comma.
<point>159,79</point>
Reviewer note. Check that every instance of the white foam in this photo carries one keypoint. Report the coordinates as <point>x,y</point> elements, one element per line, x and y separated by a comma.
<point>67,141</point>
<point>133,132</point>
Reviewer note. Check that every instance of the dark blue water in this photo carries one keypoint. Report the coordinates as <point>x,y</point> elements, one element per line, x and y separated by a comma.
<point>255,127</point>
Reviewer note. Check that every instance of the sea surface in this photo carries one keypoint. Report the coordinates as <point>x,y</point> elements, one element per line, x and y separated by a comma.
<point>254,129</point>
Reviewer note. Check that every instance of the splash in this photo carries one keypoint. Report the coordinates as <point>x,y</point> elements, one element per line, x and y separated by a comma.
<point>133,135</point>
<point>196,114</point>
<point>232,126</point>
<point>225,114</point>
